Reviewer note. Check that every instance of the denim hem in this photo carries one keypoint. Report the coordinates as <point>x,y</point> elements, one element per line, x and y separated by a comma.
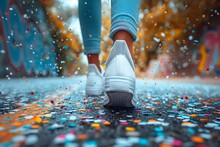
<point>91,46</point>
<point>92,51</point>
<point>123,25</point>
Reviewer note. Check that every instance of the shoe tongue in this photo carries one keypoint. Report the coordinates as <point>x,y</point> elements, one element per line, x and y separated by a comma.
<point>120,48</point>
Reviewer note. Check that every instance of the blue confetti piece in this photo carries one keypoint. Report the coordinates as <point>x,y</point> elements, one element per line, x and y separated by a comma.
<point>158,129</point>
<point>51,128</point>
<point>63,120</point>
<point>66,47</point>
<point>143,141</point>
<point>8,118</point>
<point>72,125</point>
<point>174,107</point>
<point>27,126</point>
<point>196,41</point>
<point>90,143</point>
<point>191,131</point>
<point>21,119</point>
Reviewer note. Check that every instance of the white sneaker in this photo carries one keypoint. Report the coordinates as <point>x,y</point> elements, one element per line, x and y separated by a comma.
<point>94,82</point>
<point>120,77</point>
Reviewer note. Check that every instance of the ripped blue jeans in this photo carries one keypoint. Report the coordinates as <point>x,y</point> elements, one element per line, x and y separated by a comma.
<point>124,16</point>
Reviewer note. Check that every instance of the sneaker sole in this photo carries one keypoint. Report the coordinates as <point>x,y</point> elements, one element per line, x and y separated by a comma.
<point>119,99</point>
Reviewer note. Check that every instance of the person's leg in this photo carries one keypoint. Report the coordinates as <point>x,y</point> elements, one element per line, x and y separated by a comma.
<point>120,76</point>
<point>124,21</point>
<point>90,23</point>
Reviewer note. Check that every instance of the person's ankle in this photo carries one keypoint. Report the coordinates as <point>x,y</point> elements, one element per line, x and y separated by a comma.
<point>94,59</point>
<point>124,35</point>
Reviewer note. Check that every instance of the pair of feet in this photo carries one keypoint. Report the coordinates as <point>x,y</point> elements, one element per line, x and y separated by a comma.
<point>118,81</point>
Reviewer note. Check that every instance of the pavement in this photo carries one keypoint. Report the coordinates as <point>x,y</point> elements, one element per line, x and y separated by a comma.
<point>55,112</point>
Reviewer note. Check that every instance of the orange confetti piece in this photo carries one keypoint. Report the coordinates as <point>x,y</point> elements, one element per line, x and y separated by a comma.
<point>107,123</point>
<point>98,128</point>
<point>37,119</point>
<point>3,133</point>
<point>197,139</point>
<point>204,119</point>
<point>158,103</point>
<point>45,121</point>
<point>35,126</point>
<point>137,121</point>
<point>217,113</point>
<point>186,123</point>
<point>95,125</point>
<point>130,129</point>
<point>216,99</point>
<point>193,115</point>
<point>82,136</point>
<point>151,120</point>
<point>16,124</point>
<point>165,145</point>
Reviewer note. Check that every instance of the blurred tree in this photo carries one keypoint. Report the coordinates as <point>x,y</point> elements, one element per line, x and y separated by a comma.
<point>67,42</point>
<point>171,27</point>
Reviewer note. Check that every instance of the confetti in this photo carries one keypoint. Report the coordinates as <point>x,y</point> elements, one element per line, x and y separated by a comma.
<point>185,114</point>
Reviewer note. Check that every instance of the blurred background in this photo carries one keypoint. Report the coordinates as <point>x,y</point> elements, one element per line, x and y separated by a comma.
<point>176,38</point>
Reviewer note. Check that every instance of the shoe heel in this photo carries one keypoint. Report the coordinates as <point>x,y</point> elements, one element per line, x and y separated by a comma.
<point>117,83</point>
<point>120,91</point>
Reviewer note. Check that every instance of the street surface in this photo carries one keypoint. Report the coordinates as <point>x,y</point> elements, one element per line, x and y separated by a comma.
<point>55,112</point>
